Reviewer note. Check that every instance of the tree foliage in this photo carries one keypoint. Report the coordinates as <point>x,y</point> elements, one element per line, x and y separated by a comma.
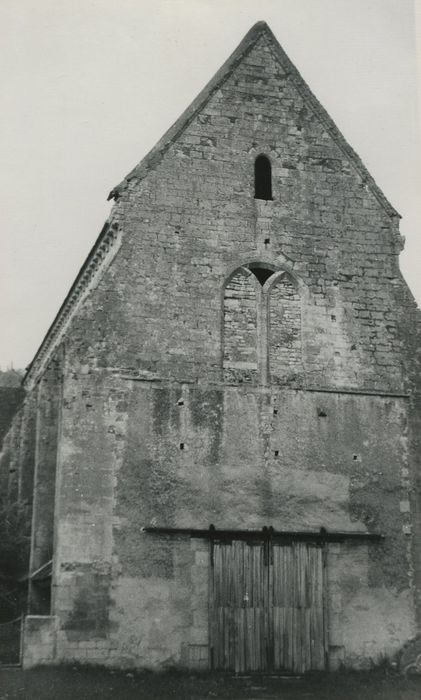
<point>14,557</point>
<point>11,377</point>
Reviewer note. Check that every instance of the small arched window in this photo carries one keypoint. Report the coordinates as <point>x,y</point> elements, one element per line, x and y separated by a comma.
<point>262,178</point>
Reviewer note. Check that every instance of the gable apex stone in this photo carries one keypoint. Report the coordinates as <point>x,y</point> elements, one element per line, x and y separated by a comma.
<point>257,31</point>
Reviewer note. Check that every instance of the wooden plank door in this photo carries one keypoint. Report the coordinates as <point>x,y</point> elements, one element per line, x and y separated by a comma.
<point>239,607</point>
<point>297,607</point>
<point>267,607</point>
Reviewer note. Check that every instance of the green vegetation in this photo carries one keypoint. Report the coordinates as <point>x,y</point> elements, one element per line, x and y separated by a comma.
<point>14,554</point>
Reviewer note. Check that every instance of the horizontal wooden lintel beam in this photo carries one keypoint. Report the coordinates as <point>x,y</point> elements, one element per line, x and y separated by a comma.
<point>267,533</point>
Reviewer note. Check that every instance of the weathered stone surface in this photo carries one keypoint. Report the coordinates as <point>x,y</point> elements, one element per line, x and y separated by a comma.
<point>233,361</point>
<point>39,640</point>
<point>410,657</point>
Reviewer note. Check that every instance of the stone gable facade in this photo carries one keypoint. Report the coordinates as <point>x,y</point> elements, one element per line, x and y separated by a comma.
<point>223,422</point>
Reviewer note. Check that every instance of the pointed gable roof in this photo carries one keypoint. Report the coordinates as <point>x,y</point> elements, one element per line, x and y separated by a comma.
<point>258,30</point>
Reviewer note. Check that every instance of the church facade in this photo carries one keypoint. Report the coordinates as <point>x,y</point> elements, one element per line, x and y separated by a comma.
<point>221,432</point>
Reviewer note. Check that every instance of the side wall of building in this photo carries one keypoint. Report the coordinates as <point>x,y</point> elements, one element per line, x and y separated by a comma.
<point>28,473</point>
<point>48,419</point>
<point>410,330</point>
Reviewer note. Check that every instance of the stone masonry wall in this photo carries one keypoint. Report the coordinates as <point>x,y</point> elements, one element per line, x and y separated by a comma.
<point>48,404</point>
<point>27,449</point>
<point>285,345</point>
<point>39,640</point>
<point>183,456</point>
<point>193,220</point>
<point>151,434</point>
<point>409,328</point>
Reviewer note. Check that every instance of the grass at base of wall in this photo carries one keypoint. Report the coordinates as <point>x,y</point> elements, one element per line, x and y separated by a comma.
<point>93,683</point>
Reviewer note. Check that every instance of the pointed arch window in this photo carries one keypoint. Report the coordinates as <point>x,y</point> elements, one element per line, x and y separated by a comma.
<point>240,327</point>
<point>262,178</point>
<point>262,326</point>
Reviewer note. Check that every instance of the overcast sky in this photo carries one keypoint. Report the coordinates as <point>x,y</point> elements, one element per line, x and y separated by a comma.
<point>89,86</point>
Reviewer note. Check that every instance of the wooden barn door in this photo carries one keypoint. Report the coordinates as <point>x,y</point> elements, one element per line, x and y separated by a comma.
<point>266,607</point>
<point>297,607</point>
<point>239,606</point>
